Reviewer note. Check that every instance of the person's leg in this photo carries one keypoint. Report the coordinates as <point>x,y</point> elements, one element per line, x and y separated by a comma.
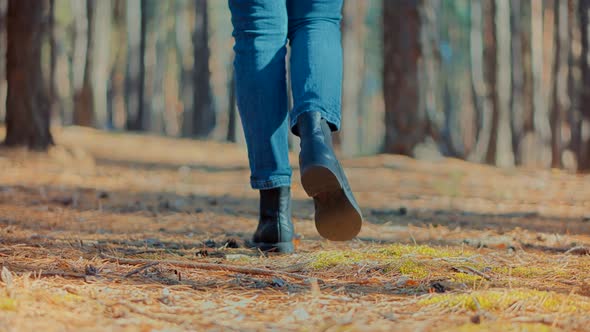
<point>260,32</point>
<point>316,79</point>
<point>316,59</point>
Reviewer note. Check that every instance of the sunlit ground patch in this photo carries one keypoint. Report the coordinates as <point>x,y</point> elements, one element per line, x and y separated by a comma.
<point>399,250</point>
<point>7,304</point>
<point>504,327</point>
<point>468,279</point>
<point>384,255</point>
<point>521,299</point>
<point>414,261</point>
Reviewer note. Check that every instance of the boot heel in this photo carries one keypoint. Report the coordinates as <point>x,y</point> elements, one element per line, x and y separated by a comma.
<point>319,179</point>
<point>336,217</point>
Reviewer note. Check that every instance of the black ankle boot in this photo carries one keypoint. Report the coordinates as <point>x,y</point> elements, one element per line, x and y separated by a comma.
<point>275,229</point>
<point>337,214</point>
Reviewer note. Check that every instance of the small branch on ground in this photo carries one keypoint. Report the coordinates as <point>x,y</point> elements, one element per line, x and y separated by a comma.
<point>470,270</point>
<point>579,250</point>
<point>207,266</point>
<point>582,251</point>
<point>141,268</point>
<point>44,274</point>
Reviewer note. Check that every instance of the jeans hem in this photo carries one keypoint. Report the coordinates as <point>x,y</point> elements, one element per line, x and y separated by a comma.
<point>273,182</point>
<point>333,120</point>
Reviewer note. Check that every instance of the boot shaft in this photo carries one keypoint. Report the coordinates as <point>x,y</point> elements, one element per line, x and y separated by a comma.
<point>312,127</point>
<point>274,202</point>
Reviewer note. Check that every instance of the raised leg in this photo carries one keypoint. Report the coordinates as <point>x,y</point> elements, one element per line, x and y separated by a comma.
<point>316,58</point>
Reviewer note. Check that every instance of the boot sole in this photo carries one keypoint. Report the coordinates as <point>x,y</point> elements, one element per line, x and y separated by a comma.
<point>279,247</point>
<point>336,218</point>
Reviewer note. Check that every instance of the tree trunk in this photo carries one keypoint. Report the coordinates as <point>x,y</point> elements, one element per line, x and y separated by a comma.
<point>504,153</point>
<point>134,74</point>
<point>116,88</point>
<point>574,116</point>
<point>27,107</point>
<point>405,124</point>
<point>491,74</point>
<point>560,73</point>
<point>584,12</point>
<point>52,90</point>
<point>185,62</point>
<point>479,87</point>
<point>139,123</point>
<point>442,96</point>
<point>521,116</point>
<point>154,64</point>
<point>101,46</point>
<point>202,118</point>
<point>353,36</point>
<point>83,96</point>
<point>484,79</point>
<point>584,99</point>
<point>517,100</point>
<point>3,8</point>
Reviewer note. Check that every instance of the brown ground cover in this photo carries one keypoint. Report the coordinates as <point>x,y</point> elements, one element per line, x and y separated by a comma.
<point>122,232</point>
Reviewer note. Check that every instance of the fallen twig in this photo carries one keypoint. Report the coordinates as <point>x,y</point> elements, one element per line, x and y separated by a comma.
<point>41,274</point>
<point>582,251</point>
<point>141,268</point>
<point>208,266</point>
<point>470,270</point>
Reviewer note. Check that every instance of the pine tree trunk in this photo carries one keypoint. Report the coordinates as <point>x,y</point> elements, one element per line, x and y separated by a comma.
<point>185,62</point>
<point>203,115</point>
<point>27,105</point>
<point>517,98</point>
<point>574,116</point>
<point>154,64</point>
<point>353,37</point>
<point>134,75</point>
<point>101,46</point>
<point>561,100</point>
<point>116,88</point>
<point>53,98</point>
<point>405,124</point>
<point>521,116</point>
<point>491,74</point>
<point>481,101</point>
<point>83,97</point>
<point>3,8</point>
<point>584,148</point>
<point>504,152</point>
<point>431,71</point>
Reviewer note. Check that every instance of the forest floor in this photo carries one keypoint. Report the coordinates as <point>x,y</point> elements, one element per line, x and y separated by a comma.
<point>121,232</point>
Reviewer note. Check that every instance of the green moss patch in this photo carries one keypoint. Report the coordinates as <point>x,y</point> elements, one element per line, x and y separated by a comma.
<point>399,250</point>
<point>504,327</point>
<point>7,304</point>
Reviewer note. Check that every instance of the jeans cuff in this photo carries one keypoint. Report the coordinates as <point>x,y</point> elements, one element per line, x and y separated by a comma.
<point>333,120</point>
<point>272,182</point>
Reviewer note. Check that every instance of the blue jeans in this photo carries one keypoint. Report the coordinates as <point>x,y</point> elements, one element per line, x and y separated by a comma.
<point>261,31</point>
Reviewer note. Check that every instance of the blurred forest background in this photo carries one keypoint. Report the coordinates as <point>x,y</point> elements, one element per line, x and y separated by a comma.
<point>503,82</point>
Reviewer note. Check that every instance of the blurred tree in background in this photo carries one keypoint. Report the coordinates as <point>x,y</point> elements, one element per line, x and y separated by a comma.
<point>503,82</point>
<point>27,101</point>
